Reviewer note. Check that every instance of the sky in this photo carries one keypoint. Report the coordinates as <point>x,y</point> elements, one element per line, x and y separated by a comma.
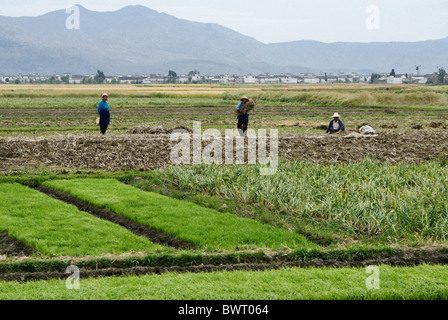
<point>272,21</point>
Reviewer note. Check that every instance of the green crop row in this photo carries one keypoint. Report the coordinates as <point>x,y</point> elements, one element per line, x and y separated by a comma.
<point>54,228</point>
<point>367,201</point>
<point>184,220</point>
<point>389,283</point>
<point>396,202</point>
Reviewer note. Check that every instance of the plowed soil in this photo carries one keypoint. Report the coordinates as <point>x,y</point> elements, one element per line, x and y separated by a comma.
<point>12,247</point>
<point>152,151</point>
<point>189,110</point>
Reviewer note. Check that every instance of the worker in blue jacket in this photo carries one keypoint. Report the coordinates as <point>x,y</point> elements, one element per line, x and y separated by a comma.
<point>243,119</point>
<point>336,125</point>
<point>104,112</point>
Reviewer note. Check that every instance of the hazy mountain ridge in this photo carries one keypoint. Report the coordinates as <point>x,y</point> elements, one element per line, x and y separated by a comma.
<point>137,39</point>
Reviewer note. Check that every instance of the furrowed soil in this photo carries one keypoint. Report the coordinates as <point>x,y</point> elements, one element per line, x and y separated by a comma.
<point>167,111</point>
<point>152,151</point>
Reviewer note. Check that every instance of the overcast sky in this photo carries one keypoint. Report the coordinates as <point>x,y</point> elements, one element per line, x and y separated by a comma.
<point>285,20</point>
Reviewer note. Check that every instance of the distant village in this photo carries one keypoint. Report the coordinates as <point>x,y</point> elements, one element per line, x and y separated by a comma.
<point>196,78</point>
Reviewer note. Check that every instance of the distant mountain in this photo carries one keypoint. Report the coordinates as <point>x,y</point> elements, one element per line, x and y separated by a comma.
<point>137,40</point>
<point>375,56</point>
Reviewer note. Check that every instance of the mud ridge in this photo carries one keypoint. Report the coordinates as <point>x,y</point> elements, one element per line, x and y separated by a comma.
<point>105,214</point>
<point>12,247</point>
<point>406,259</point>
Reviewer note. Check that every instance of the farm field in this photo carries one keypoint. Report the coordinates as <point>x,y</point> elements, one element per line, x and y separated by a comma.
<point>46,110</point>
<point>183,220</point>
<point>417,283</point>
<point>56,229</point>
<point>117,207</point>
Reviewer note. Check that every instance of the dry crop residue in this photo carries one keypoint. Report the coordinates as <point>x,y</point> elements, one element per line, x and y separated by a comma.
<point>413,147</point>
<point>152,151</point>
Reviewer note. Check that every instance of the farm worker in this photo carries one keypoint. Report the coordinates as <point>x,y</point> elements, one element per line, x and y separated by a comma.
<point>103,111</point>
<point>336,125</point>
<point>243,119</point>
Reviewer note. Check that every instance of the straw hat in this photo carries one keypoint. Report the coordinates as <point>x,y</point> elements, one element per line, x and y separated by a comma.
<point>336,115</point>
<point>244,98</point>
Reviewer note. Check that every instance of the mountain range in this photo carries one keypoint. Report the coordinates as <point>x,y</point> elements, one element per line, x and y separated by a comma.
<point>139,40</point>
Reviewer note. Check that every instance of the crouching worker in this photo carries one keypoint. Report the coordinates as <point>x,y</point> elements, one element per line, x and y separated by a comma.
<point>336,125</point>
<point>103,111</point>
<point>243,115</point>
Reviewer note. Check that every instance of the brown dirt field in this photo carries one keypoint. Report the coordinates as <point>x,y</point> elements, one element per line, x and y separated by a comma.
<point>212,110</point>
<point>281,123</point>
<point>12,247</point>
<point>152,151</point>
<point>412,147</point>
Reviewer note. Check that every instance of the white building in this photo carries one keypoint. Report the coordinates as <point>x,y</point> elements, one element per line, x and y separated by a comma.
<point>250,79</point>
<point>311,80</point>
<point>75,79</point>
<point>226,78</point>
<point>288,80</point>
<point>156,79</point>
<point>184,79</point>
<point>420,80</point>
<point>395,80</point>
<point>266,78</point>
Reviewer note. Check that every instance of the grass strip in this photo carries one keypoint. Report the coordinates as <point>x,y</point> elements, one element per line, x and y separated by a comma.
<point>196,259</point>
<point>201,226</point>
<point>54,228</point>
<point>422,282</point>
<point>151,234</point>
